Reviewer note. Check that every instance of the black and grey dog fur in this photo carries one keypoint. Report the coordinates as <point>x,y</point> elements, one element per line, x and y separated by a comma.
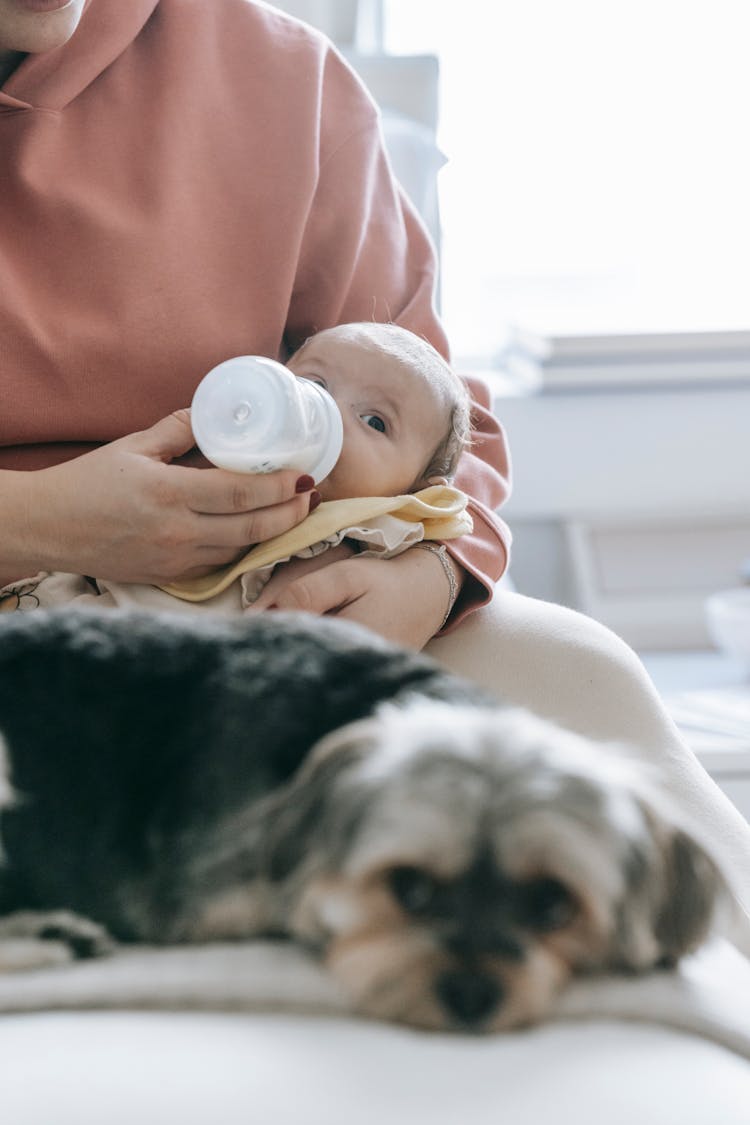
<point>452,861</point>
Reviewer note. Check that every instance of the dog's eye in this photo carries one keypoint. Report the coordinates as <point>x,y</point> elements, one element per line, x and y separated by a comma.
<point>546,905</point>
<point>412,888</point>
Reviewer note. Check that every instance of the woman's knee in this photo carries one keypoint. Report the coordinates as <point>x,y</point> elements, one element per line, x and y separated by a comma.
<point>559,663</point>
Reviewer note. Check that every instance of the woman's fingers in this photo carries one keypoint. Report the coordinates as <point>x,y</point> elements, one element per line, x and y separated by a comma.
<point>217,492</point>
<point>125,512</point>
<point>325,590</point>
<point>168,438</point>
<point>298,568</point>
<point>403,598</point>
<point>245,528</point>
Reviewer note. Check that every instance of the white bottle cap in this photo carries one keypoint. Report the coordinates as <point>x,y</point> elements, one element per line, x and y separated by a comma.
<point>252,415</point>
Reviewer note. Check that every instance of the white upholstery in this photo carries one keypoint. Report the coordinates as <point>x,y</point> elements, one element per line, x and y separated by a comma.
<point>125,1068</point>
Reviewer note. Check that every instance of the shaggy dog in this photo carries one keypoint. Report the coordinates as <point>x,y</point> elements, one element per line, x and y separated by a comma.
<point>452,861</point>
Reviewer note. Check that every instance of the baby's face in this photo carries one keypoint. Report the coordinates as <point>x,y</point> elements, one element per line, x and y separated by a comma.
<point>394,418</point>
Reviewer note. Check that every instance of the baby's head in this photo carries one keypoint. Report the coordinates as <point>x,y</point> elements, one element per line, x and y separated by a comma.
<point>405,413</point>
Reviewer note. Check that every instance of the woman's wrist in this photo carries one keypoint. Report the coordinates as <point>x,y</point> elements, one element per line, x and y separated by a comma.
<point>454,574</point>
<point>19,553</point>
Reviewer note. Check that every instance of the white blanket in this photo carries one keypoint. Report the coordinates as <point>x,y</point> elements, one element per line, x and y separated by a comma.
<point>708,996</point>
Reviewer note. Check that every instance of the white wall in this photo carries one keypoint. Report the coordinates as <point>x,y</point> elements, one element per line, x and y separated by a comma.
<point>631,506</point>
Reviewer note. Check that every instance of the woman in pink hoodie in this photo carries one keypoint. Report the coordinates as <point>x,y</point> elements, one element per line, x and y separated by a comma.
<point>186,180</point>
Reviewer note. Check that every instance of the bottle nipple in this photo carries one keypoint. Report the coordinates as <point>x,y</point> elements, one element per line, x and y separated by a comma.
<point>242,412</point>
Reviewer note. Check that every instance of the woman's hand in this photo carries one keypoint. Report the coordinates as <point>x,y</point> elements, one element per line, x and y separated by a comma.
<point>288,573</point>
<point>123,512</point>
<point>404,598</point>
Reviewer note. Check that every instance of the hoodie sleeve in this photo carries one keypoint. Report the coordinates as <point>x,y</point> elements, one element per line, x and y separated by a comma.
<point>366,255</point>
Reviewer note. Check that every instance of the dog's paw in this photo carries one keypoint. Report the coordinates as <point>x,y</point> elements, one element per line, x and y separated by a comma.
<point>31,939</point>
<point>83,937</point>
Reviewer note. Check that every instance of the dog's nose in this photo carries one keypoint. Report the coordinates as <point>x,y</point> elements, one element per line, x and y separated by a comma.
<point>468,996</point>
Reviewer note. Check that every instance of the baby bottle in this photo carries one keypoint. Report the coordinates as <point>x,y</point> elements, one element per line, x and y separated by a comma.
<point>251,415</point>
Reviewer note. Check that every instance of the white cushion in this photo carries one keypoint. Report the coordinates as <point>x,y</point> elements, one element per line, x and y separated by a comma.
<point>125,1068</point>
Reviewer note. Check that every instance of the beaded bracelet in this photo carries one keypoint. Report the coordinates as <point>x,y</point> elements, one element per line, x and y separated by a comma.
<point>441,554</point>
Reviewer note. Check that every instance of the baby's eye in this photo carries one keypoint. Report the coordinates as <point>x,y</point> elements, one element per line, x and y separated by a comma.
<point>375,421</point>
<point>316,379</point>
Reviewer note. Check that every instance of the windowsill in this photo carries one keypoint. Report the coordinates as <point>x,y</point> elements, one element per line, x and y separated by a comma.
<point>698,670</point>
<point>678,451</point>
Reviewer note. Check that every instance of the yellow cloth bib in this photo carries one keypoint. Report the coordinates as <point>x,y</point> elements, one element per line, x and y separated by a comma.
<point>440,509</point>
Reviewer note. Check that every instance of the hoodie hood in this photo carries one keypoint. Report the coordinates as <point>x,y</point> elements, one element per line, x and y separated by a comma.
<point>52,79</point>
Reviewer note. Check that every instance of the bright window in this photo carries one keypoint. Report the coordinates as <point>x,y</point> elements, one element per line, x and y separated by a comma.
<point>599,164</point>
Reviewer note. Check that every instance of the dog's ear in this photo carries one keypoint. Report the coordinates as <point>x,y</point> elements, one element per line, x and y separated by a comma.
<point>672,894</point>
<point>693,886</point>
<point>310,823</point>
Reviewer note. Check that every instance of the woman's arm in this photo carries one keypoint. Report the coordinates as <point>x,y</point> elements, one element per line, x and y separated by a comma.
<point>403,598</point>
<point>484,474</point>
<point>125,513</point>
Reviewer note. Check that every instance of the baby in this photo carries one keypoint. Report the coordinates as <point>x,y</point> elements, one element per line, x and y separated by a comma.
<point>405,412</point>
<point>406,420</point>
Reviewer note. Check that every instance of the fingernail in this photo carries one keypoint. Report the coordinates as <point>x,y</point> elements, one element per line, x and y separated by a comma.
<point>304,484</point>
<point>314,501</point>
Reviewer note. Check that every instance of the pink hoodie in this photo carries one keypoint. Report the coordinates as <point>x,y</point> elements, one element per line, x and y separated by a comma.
<point>184,181</point>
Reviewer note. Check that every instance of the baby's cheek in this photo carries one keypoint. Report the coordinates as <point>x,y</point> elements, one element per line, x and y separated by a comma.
<point>345,480</point>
